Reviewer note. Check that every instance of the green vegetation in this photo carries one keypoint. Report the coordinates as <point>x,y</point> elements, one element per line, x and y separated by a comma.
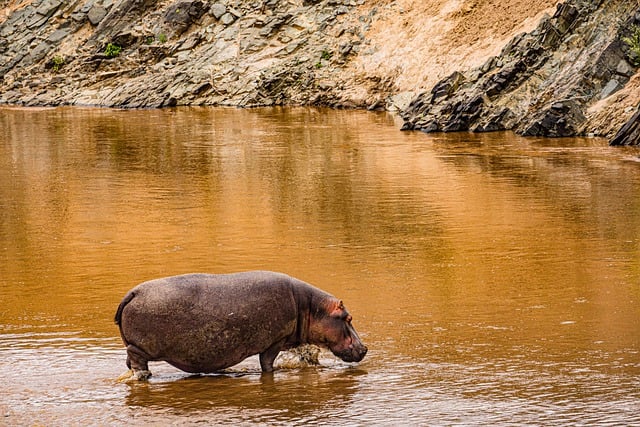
<point>325,55</point>
<point>162,38</point>
<point>58,62</point>
<point>634,44</point>
<point>112,50</point>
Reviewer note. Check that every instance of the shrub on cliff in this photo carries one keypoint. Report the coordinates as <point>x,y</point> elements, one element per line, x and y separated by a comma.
<point>633,42</point>
<point>112,50</point>
<point>56,63</point>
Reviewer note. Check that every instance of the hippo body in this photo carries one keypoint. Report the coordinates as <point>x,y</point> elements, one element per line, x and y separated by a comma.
<point>203,323</point>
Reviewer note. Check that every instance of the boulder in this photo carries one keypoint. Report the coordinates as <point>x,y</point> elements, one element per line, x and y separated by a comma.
<point>228,18</point>
<point>48,7</point>
<point>610,88</point>
<point>96,14</point>
<point>558,119</point>
<point>217,10</point>
<point>184,13</point>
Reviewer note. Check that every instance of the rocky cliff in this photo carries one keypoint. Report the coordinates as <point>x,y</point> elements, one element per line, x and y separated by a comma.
<point>541,67</point>
<point>542,82</point>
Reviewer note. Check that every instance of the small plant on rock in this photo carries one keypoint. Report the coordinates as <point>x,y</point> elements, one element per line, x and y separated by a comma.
<point>112,50</point>
<point>633,42</point>
<point>324,56</point>
<point>162,38</point>
<point>58,62</point>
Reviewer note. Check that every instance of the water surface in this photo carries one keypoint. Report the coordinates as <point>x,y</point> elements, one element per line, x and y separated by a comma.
<point>495,279</point>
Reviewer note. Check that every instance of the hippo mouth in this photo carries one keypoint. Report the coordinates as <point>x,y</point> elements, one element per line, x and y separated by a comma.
<point>351,354</point>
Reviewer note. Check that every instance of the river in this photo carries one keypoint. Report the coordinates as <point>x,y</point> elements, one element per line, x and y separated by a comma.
<point>494,278</point>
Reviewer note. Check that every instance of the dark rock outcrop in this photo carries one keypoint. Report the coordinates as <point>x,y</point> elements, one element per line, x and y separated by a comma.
<point>184,13</point>
<point>629,134</point>
<point>543,81</point>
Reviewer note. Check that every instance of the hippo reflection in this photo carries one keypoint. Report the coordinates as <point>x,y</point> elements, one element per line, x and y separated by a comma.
<point>202,323</point>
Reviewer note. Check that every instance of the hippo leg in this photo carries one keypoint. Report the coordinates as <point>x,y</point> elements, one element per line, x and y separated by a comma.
<point>268,356</point>
<point>137,361</point>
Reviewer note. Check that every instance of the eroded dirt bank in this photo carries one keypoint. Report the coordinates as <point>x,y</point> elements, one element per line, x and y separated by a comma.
<point>380,54</point>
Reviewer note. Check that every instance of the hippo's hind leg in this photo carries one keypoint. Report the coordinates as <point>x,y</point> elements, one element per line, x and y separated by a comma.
<point>138,363</point>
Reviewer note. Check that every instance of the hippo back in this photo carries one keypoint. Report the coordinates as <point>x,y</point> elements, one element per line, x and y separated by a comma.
<point>204,322</point>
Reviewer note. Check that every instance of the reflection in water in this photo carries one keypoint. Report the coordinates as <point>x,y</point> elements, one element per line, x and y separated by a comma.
<point>303,395</point>
<point>494,278</point>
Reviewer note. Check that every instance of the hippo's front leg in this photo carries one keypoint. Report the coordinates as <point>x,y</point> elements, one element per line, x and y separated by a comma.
<point>268,356</point>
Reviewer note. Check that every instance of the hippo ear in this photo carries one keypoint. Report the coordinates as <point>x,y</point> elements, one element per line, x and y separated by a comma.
<point>338,310</point>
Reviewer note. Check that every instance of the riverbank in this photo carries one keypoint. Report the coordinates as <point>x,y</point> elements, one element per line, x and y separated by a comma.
<point>540,67</point>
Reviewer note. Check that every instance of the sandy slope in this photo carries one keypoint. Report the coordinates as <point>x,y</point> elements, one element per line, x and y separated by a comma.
<point>420,42</point>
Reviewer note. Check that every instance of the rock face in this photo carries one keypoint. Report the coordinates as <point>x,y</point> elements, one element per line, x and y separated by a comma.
<point>629,134</point>
<point>339,53</point>
<point>148,53</point>
<point>542,82</point>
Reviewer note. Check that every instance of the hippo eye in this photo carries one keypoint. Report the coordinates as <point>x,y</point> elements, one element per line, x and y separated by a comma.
<point>347,318</point>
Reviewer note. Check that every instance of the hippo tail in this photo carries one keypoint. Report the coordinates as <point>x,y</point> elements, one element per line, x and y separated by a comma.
<point>127,298</point>
<point>118,318</point>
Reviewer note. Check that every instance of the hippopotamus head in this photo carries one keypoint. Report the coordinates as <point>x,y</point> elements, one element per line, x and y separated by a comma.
<point>330,326</point>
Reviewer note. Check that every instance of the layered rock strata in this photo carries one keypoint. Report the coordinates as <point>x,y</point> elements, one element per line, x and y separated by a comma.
<point>544,81</point>
<point>629,134</point>
<point>573,73</point>
<point>142,53</point>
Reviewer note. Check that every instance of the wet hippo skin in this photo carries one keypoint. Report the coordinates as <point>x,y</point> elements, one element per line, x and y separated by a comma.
<point>203,323</point>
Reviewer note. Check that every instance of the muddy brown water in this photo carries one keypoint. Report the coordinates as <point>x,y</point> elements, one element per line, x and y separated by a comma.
<point>495,279</point>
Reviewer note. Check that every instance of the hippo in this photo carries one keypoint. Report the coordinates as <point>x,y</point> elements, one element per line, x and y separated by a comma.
<point>203,323</point>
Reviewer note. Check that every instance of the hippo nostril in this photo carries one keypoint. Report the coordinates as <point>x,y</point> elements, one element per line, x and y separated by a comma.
<point>363,351</point>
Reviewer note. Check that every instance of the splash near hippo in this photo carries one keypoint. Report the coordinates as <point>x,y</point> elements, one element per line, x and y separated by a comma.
<point>203,323</point>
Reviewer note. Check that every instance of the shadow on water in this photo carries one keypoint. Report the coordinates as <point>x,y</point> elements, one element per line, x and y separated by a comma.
<point>294,394</point>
